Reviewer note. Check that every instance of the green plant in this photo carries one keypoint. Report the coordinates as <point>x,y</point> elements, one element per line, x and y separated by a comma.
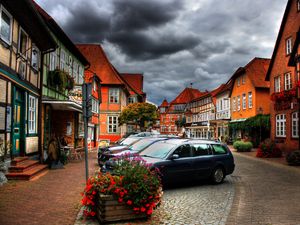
<point>242,146</point>
<point>70,83</point>
<point>58,78</point>
<point>268,149</point>
<point>293,158</point>
<point>133,182</point>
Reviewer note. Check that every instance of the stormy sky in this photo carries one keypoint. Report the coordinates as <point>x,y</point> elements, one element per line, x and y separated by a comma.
<point>173,42</point>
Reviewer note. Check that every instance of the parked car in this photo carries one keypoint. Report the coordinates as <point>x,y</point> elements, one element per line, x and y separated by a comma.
<point>180,160</point>
<point>134,148</point>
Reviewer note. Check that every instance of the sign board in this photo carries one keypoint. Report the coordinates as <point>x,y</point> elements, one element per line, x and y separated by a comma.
<point>75,95</point>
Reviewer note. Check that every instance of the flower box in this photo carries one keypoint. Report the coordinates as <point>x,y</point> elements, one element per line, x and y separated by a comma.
<point>110,210</point>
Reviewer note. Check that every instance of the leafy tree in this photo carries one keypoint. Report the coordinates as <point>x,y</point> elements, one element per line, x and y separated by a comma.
<point>138,113</point>
<point>181,122</point>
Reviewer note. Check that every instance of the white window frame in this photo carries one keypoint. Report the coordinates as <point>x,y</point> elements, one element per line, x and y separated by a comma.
<point>81,75</point>
<point>35,59</point>
<point>70,62</point>
<point>277,84</point>
<point>3,10</point>
<point>21,30</point>
<point>295,125</point>
<point>32,116</point>
<point>112,124</point>
<point>95,106</point>
<point>132,99</point>
<point>250,100</point>
<point>244,101</point>
<point>62,58</point>
<point>287,81</point>
<point>280,125</point>
<point>115,94</point>
<point>288,46</point>
<point>53,61</point>
<point>238,103</point>
<point>234,104</point>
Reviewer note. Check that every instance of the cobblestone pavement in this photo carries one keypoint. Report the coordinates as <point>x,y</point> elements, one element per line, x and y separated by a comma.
<point>266,193</point>
<point>193,204</point>
<point>52,199</point>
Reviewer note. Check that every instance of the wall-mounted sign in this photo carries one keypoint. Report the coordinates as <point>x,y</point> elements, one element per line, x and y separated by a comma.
<point>75,95</point>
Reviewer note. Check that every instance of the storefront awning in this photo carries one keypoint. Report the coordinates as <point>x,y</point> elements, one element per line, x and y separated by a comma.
<point>237,120</point>
<point>63,105</point>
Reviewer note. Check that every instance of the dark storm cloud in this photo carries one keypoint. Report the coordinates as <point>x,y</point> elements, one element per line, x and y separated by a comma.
<point>133,15</point>
<point>174,42</point>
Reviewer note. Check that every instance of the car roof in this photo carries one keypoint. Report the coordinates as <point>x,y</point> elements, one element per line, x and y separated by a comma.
<point>175,141</point>
<point>203,141</point>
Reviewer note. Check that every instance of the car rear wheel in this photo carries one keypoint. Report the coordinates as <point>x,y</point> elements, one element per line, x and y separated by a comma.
<point>218,175</point>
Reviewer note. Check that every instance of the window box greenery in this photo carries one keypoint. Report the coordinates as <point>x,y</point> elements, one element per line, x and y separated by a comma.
<point>61,80</point>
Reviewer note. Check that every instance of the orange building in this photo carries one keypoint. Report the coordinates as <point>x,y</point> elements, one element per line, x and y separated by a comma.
<point>250,92</point>
<point>175,110</point>
<point>114,92</point>
<point>283,80</point>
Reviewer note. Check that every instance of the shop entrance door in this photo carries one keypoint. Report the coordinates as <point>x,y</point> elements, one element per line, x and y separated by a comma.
<point>18,124</point>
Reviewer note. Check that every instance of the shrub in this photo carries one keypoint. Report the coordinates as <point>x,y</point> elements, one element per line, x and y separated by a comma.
<point>133,182</point>
<point>242,146</point>
<point>268,149</point>
<point>293,158</point>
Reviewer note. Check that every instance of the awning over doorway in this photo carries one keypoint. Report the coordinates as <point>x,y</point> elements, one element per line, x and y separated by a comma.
<point>63,105</point>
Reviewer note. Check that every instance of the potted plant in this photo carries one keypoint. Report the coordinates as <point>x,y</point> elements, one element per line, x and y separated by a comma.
<point>70,83</point>
<point>133,191</point>
<point>58,78</point>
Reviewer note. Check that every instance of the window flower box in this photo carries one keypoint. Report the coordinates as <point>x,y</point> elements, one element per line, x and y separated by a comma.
<point>283,95</point>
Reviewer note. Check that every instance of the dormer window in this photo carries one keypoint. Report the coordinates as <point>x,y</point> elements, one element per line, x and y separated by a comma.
<point>289,46</point>
<point>5,25</point>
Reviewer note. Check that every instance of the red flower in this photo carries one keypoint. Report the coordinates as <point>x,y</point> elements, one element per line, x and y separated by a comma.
<point>143,209</point>
<point>149,211</point>
<point>120,200</point>
<point>94,192</point>
<point>129,202</point>
<point>136,209</point>
<point>92,213</point>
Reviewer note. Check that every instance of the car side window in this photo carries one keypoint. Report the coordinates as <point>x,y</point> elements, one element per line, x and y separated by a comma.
<point>219,149</point>
<point>200,149</point>
<point>183,151</point>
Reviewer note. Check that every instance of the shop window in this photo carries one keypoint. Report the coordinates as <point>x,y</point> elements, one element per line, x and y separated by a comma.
<point>5,25</point>
<point>112,124</point>
<point>80,126</point>
<point>32,120</point>
<point>114,95</point>
<point>295,125</point>
<point>281,125</point>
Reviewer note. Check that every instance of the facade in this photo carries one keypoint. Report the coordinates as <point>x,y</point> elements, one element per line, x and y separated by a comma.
<point>114,92</point>
<point>162,111</point>
<point>63,76</point>
<point>283,80</point>
<point>24,40</point>
<point>250,92</point>
<point>175,111</point>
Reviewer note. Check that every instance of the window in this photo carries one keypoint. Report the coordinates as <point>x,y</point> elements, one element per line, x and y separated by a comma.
<point>81,75</point>
<point>32,114</point>
<point>287,81</point>
<point>112,124</point>
<point>277,84</point>
<point>288,46</point>
<point>95,106</point>
<point>243,79</point>
<point>131,99</point>
<point>70,65</point>
<point>250,100</point>
<point>5,25</point>
<point>238,81</point>
<point>114,95</point>
<point>200,149</point>
<point>244,101</point>
<point>295,125</point>
<point>280,125</point>
<point>183,151</point>
<point>234,104</point>
<point>238,103</point>
<point>219,149</point>
<point>53,60</point>
<point>298,5</point>
<point>35,58</point>
<point>23,42</point>
<point>80,125</point>
<point>62,59</point>
<point>75,71</point>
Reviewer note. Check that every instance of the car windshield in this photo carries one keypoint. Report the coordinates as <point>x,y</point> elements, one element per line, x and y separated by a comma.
<point>140,145</point>
<point>158,150</point>
<point>128,141</point>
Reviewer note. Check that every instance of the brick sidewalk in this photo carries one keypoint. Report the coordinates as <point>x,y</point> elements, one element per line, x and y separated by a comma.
<point>52,199</point>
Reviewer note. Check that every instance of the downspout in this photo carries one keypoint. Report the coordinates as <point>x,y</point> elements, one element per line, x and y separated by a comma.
<point>40,119</point>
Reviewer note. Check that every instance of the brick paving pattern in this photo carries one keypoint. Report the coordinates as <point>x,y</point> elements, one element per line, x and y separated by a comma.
<point>52,199</point>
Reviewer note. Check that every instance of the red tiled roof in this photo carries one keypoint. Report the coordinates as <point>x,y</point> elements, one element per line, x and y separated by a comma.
<point>100,63</point>
<point>135,81</point>
<point>164,103</point>
<point>187,95</point>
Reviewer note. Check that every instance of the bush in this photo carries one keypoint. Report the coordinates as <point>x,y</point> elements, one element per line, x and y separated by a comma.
<point>268,149</point>
<point>242,146</point>
<point>133,182</point>
<point>293,158</point>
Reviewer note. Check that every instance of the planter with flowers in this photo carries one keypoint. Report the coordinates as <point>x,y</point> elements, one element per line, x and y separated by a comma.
<point>282,96</point>
<point>268,149</point>
<point>132,191</point>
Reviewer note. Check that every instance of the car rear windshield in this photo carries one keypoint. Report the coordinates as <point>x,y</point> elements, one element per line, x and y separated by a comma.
<point>140,145</point>
<point>158,150</point>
